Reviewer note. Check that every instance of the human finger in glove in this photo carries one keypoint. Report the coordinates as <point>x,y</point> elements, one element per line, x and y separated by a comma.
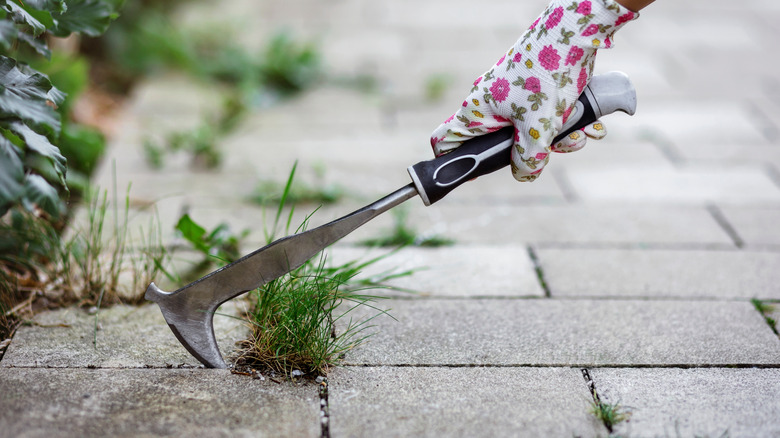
<point>535,85</point>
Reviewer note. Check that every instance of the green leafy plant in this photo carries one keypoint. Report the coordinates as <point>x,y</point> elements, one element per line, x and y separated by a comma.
<point>403,235</point>
<point>220,243</point>
<point>32,166</point>
<point>219,246</point>
<point>152,40</point>
<point>289,66</point>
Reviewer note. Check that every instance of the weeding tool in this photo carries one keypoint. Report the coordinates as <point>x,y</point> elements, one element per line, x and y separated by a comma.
<point>189,311</point>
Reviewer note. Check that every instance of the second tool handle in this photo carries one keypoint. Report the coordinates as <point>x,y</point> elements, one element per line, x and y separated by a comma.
<point>435,178</point>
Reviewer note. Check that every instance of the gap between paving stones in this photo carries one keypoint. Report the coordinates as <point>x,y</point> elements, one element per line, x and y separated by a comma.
<point>724,223</point>
<point>594,393</point>
<point>569,365</point>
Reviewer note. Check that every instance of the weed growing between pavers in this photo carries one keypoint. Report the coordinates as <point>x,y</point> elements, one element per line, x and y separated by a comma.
<point>611,414</point>
<point>303,321</point>
<point>201,143</point>
<point>268,192</point>
<point>89,265</point>
<point>766,309</point>
<point>404,235</point>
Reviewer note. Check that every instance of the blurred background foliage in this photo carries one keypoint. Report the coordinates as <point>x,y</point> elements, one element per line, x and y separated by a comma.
<point>65,67</point>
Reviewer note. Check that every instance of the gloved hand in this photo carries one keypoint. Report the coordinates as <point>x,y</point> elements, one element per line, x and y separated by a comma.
<point>535,85</point>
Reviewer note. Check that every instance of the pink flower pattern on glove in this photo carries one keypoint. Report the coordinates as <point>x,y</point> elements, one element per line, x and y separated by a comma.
<point>535,84</point>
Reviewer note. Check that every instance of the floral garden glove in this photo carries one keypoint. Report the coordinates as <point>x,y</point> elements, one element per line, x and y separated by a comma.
<point>535,85</point>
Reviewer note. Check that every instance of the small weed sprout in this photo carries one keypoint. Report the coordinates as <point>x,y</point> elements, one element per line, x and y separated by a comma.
<point>201,143</point>
<point>403,235</point>
<point>611,414</point>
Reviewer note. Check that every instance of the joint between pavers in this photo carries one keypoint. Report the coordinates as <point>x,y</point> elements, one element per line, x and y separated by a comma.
<point>98,367</point>
<point>579,366</point>
<point>324,409</point>
<point>720,218</point>
<point>764,123</point>
<point>668,149</point>
<point>539,271</point>
<point>595,395</point>
<point>773,173</point>
<point>659,246</point>
<point>567,189</point>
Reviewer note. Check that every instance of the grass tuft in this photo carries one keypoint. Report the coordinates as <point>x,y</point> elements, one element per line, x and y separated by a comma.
<point>303,321</point>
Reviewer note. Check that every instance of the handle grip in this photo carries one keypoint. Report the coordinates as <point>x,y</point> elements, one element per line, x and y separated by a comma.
<point>435,178</point>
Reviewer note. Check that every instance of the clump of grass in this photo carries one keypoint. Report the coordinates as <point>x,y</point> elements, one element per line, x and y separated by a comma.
<point>87,265</point>
<point>766,310</point>
<point>303,320</point>
<point>404,235</point>
<point>296,321</point>
<point>611,414</point>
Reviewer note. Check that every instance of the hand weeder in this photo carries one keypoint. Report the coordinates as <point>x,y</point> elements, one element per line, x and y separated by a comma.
<point>189,311</point>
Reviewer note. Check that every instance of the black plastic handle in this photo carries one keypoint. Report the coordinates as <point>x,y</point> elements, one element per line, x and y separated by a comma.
<point>435,178</point>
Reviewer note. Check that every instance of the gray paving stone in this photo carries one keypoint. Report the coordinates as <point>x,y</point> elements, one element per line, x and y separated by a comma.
<point>756,226</point>
<point>568,332</point>
<point>694,402</point>
<point>200,403</point>
<point>460,402</point>
<point>661,273</point>
<point>696,185</point>
<point>702,121</point>
<point>451,271</point>
<point>127,337</point>
<point>623,147</point>
<point>572,224</point>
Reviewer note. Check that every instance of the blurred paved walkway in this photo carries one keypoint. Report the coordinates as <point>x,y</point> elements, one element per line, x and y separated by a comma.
<point>631,277</point>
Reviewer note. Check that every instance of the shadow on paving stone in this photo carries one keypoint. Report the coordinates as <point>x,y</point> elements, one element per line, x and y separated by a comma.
<point>151,402</point>
<point>127,337</point>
